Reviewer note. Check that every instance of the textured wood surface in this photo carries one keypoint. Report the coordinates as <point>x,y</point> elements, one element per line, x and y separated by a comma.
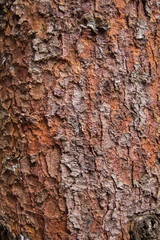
<point>80,119</point>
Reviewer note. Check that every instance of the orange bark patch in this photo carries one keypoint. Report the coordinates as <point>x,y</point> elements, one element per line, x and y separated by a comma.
<point>92,81</point>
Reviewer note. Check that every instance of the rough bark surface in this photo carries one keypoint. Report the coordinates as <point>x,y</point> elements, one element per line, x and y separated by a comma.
<point>80,119</point>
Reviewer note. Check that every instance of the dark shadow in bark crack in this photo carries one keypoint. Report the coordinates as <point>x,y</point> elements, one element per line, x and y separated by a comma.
<point>146,226</point>
<point>5,233</point>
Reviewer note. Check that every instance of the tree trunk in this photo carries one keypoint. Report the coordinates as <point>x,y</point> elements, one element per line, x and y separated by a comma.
<point>80,119</point>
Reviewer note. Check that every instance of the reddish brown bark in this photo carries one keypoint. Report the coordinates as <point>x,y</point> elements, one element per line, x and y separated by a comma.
<point>80,122</point>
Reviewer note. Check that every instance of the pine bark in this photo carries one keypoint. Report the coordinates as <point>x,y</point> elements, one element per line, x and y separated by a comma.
<point>80,119</point>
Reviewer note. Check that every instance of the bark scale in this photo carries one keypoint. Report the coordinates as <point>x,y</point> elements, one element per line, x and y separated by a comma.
<point>80,122</point>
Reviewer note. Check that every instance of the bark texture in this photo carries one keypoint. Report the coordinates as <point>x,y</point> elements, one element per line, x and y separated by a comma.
<point>80,119</point>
